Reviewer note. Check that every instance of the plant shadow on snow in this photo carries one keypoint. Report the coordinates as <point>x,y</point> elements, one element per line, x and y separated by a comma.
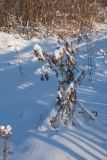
<point>77,143</point>
<point>33,97</point>
<point>26,96</point>
<point>90,140</point>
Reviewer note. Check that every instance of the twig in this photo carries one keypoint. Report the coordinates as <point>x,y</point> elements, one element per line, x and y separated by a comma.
<point>40,121</point>
<point>19,62</point>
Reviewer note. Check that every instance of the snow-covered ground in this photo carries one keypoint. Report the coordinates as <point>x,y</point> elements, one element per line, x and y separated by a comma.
<point>26,101</point>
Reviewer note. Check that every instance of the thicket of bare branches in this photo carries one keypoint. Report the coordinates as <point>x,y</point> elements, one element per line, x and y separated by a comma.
<point>79,14</point>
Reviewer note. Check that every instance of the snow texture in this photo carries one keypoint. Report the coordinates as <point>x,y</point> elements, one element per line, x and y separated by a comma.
<point>26,102</point>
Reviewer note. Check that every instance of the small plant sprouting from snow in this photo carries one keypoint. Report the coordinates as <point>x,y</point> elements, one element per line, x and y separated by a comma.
<point>5,133</point>
<point>69,75</point>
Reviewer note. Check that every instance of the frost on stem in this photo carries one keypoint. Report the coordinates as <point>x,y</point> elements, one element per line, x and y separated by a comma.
<point>38,52</point>
<point>64,64</point>
<point>5,133</point>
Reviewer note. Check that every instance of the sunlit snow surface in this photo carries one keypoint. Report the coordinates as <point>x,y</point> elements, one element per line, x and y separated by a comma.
<point>24,99</point>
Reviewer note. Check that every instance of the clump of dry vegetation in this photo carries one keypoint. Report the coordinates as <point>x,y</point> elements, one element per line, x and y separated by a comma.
<point>63,16</point>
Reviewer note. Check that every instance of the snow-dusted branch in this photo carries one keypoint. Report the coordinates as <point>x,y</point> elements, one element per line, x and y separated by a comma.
<point>5,133</point>
<point>64,64</point>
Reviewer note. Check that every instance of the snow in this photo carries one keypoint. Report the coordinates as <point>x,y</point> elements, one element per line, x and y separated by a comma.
<point>5,130</point>
<point>38,49</point>
<point>23,99</point>
<point>69,88</point>
<point>59,53</point>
